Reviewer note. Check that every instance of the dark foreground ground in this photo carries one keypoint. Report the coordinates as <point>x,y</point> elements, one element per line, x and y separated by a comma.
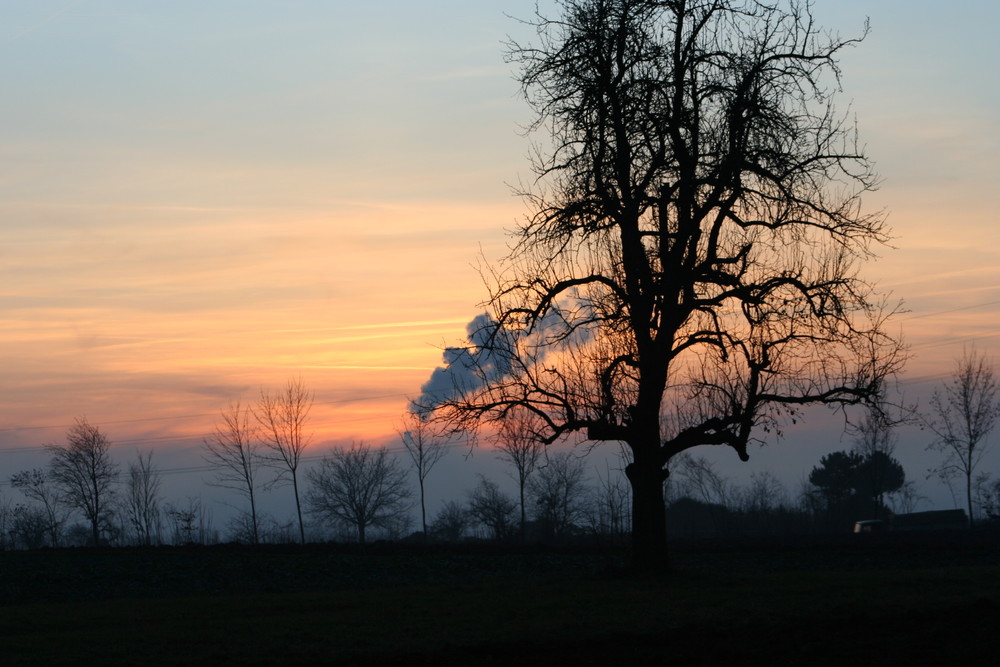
<point>886,601</point>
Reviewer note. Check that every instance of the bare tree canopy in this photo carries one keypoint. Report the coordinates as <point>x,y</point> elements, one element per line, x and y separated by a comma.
<point>519,443</point>
<point>451,522</point>
<point>359,486</point>
<point>689,274</point>
<point>282,417</point>
<point>559,495</point>
<point>608,513</point>
<point>492,508</point>
<point>84,472</point>
<point>962,414</point>
<point>233,450</point>
<point>425,446</point>
<point>142,499</point>
<point>36,485</point>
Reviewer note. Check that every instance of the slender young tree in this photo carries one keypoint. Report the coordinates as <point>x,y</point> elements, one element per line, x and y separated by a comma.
<point>962,414</point>
<point>6,524</point>
<point>188,522</point>
<point>689,272</point>
<point>233,450</point>
<point>988,497</point>
<point>519,442</point>
<point>425,448</point>
<point>282,416</point>
<point>609,505</point>
<point>142,499</point>
<point>85,474</point>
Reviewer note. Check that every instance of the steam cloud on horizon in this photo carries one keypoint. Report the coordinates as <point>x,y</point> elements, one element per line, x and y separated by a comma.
<point>466,368</point>
<point>488,356</point>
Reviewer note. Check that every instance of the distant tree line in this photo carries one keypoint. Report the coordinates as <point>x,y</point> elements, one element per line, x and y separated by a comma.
<point>357,493</point>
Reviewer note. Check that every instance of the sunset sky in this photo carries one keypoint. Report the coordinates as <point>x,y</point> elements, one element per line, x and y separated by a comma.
<point>198,199</point>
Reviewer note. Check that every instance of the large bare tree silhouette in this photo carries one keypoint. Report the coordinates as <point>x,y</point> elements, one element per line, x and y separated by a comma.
<point>689,274</point>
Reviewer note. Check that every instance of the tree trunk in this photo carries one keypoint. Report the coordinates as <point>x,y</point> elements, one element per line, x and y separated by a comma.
<point>968,495</point>
<point>253,519</point>
<point>423,510</point>
<point>523,515</point>
<point>298,508</point>
<point>649,519</point>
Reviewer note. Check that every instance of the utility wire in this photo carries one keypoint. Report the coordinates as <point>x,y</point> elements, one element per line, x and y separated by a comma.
<point>207,468</point>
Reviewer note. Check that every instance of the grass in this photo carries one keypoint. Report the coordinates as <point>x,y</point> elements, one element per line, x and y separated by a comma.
<point>298,606</point>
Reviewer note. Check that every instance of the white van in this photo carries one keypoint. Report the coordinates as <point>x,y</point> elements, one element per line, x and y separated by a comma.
<point>869,526</point>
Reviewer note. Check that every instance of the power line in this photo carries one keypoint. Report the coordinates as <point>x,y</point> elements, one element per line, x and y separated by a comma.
<point>952,310</point>
<point>951,340</point>
<point>206,468</point>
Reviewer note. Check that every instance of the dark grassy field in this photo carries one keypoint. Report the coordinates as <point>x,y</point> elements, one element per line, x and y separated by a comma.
<point>872,602</point>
